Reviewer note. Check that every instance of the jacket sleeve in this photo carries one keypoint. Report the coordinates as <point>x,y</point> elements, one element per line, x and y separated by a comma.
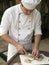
<point>5,23</point>
<point>37,28</point>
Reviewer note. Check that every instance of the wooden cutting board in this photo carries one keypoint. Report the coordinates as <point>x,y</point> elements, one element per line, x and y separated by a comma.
<point>23,58</point>
<point>17,64</point>
<point>2,62</point>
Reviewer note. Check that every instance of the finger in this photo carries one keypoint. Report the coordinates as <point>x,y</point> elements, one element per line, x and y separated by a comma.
<point>37,54</point>
<point>34,54</point>
<point>21,52</point>
<point>24,51</point>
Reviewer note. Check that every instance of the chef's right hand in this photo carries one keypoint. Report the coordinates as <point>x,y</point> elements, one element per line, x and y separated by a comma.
<point>21,49</point>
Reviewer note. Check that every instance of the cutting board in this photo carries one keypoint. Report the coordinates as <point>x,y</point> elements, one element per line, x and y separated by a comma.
<point>23,58</point>
<point>17,64</point>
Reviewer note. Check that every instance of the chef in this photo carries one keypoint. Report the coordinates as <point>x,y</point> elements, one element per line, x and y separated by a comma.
<point>17,26</point>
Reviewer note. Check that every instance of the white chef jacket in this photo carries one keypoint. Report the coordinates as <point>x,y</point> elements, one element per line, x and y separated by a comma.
<point>20,27</point>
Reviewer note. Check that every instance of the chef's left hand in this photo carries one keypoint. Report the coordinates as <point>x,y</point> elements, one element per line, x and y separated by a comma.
<point>35,52</point>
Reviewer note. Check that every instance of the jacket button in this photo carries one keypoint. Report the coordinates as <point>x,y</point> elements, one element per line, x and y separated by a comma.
<point>18,41</point>
<point>28,28</point>
<point>19,28</point>
<point>29,21</point>
<point>19,21</point>
<point>19,13</point>
<point>18,34</point>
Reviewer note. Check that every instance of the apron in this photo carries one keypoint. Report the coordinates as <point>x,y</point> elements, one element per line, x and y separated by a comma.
<point>27,43</point>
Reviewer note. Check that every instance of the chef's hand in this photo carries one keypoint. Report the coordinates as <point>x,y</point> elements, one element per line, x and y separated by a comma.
<point>35,52</point>
<point>21,49</point>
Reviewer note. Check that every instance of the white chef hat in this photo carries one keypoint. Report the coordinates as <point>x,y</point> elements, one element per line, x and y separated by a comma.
<point>30,4</point>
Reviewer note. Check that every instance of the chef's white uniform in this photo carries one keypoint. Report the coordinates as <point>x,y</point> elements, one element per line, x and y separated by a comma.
<point>20,27</point>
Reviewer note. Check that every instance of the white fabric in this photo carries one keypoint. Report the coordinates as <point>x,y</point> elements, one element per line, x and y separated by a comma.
<point>30,4</point>
<point>10,53</point>
<point>10,23</point>
<point>41,61</point>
